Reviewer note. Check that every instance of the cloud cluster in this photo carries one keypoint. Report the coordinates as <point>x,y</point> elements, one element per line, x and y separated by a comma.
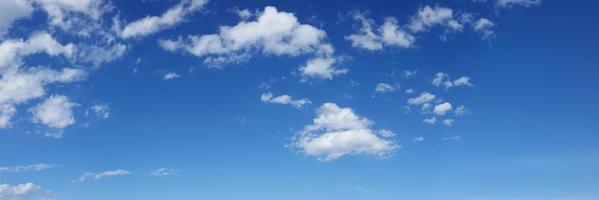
<point>152,24</point>
<point>384,88</point>
<point>55,112</point>
<point>337,131</point>
<point>372,38</point>
<point>24,168</point>
<point>272,33</point>
<point>284,99</point>
<point>442,79</point>
<point>14,192</point>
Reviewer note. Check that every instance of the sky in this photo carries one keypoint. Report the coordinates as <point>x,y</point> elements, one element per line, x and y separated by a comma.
<point>298,100</point>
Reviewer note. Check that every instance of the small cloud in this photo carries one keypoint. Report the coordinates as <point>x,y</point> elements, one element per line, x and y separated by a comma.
<point>101,110</point>
<point>431,120</point>
<point>423,98</point>
<point>170,76</point>
<point>284,99</point>
<point>24,168</point>
<point>96,176</point>
<point>384,88</point>
<point>448,122</point>
<point>452,138</point>
<point>441,109</point>
<point>163,172</point>
<point>461,110</point>
<point>418,139</point>
<point>408,74</point>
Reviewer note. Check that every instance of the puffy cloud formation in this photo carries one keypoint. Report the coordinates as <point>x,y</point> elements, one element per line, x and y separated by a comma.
<point>284,99</point>
<point>448,122</point>
<point>19,84</point>
<point>441,109</point>
<point>272,33</point>
<point>424,97</point>
<point>15,192</point>
<point>431,120</point>
<point>484,26</point>
<point>461,110</point>
<point>65,13</point>
<point>336,132</point>
<point>170,75</point>
<point>12,10</point>
<point>101,110</point>
<point>384,88</point>
<point>428,17</point>
<point>152,24</point>
<point>116,172</point>
<point>388,34</point>
<point>55,112</point>
<point>442,79</point>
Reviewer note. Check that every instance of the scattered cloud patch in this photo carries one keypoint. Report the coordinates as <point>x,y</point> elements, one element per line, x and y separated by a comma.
<point>337,132</point>
<point>514,3</point>
<point>452,138</point>
<point>448,122</point>
<point>15,192</point>
<point>431,120</point>
<point>441,109</point>
<point>428,17</point>
<point>54,112</point>
<point>152,24</point>
<point>96,176</point>
<point>384,88</point>
<point>442,79</point>
<point>170,75</point>
<point>25,168</point>
<point>424,97</point>
<point>371,38</point>
<point>284,99</point>
<point>163,172</point>
<point>418,139</point>
<point>101,110</point>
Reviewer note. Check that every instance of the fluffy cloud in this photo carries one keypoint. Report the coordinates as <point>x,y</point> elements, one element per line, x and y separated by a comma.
<point>461,110</point>
<point>388,34</point>
<point>12,10</point>
<point>272,33</point>
<point>428,17</point>
<point>513,3</point>
<point>163,172</point>
<point>24,168</point>
<point>431,120</point>
<point>101,110</point>
<point>442,79</point>
<point>424,97</point>
<point>418,139</point>
<point>384,88</point>
<point>284,99</point>
<point>55,112</point>
<point>336,132</point>
<point>64,13</point>
<point>15,192</point>
<point>448,122</point>
<point>170,75</point>
<point>19,84</point>
<point>116,172</point>
<point>153,24</point>
<point>484,26</point>
<point>441,109</point>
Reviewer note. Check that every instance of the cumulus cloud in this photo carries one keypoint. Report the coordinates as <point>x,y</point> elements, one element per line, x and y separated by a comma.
<point>337,131</point>
<point>152,24</point>
<point>54,112</point>
<point>163,172</point>
<point>272,33</point>
<point>431,120</point>
<point>442,79</point>
<point>64,13</point>
<point>484,26</point>
<point>461,110</point>
<point>284,99</point>
<point>116,172</point>
<point>428,17</point>
<point>11,11</point>
<point>384,88</point>
<point>448,122</point>
<point>372,38</point>
<point>424,97</point>
<point>24,168</point>
<point>15,192</point>
<point>170,75</point>
<point>418,139</point>
<point>441,109</point>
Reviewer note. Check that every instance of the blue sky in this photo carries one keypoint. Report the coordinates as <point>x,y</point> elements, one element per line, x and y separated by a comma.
<point>464,100</point>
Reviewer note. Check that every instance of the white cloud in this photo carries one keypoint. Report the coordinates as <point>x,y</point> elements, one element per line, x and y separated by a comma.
<point>461,110</point>
<point>24,168</point>
<point>409,91</point>
<point>116,172</point>
<point>163,172</point>
<point>428,17</point>
<point>441,109</point>
<point>389,34</point>
<point>284,99</point>
<point>321,68</point>
<point>62,13</point>
<point>452,138</point>
<point>54,112</point>
<point>272,33</point>
<point>336,132</point>
<point>448,122</point>
<point>484,26</point>
<point>101,110</point>
<point>152,24</point>
<point>6,113</point>
<point>15,192</point>
<point>11,11</point>
<point>431,120</point>
<point>408,74</point>
<point>384,88</point>
<point>513,3</point>
<point>424,97</point>
<point>442,79</point>
<point>170,75</point>
<point>386,133</point>
<point>418,139</point>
